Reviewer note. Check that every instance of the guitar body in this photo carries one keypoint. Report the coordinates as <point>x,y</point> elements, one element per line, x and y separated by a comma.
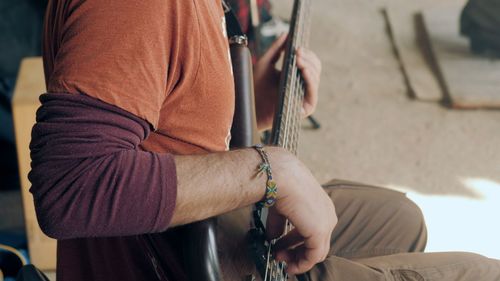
<point>219,243</point>
<point>232,240</point>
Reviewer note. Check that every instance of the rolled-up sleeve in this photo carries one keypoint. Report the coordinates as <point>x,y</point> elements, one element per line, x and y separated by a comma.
<point>90,178</point>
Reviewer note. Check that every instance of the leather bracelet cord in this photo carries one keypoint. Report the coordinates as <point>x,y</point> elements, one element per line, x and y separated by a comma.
<point>271,188</point>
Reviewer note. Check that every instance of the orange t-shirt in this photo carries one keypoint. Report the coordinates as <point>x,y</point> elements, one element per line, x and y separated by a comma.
<point>164,61</point>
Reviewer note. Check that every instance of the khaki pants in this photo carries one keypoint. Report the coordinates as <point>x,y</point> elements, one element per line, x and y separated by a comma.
<point>381,235</point>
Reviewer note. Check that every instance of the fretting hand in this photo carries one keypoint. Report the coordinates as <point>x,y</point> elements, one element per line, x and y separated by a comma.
<point>266,81</point>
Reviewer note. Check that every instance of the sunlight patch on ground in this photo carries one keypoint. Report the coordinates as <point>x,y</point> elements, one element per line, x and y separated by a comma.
<point>457,223</point>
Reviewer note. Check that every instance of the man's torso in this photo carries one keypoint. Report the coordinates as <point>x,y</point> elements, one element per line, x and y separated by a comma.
<point>164,61</point>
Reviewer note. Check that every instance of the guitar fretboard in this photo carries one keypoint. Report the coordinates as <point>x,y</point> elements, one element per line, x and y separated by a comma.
<point>286,126</point>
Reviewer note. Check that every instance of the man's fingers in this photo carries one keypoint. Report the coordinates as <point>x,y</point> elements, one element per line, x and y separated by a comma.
<point>290,240</point>
<point>310,73</point>
<point>310,68</point>
<point>301,258</point>
<point>274,51</point>
<point>311,96</point>
<point>308,59</point>
<point>296,260</point>
<point>301,254</point>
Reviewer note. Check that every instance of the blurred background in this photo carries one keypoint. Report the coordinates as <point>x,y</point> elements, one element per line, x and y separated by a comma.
<point>409,100</point>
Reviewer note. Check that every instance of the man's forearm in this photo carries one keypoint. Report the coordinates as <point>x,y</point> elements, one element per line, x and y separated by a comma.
<point>213,184</point>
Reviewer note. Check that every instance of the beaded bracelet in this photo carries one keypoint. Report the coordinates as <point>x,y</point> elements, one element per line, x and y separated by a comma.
<point>271,188</point>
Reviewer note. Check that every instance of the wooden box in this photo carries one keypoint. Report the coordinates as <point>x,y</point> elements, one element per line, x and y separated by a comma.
<point>30,84</point>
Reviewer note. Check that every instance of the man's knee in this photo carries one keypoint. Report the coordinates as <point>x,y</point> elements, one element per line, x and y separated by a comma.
<point>384,207</point>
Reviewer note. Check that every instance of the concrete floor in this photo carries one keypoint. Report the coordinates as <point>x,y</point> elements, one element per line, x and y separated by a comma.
<point>373,133</point>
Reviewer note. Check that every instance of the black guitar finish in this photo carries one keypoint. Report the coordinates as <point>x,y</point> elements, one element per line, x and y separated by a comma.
<point>200,251</point>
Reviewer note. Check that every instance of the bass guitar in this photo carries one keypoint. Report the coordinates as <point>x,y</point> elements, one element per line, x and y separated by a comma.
<point>223,248</point>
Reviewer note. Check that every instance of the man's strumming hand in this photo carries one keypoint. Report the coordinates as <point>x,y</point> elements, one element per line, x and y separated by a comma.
<point>216,183</point>
<point>305,204</point>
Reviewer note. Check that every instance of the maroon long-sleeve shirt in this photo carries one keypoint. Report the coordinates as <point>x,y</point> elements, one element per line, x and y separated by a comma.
<point>96,191</point>
<point>89,176</point>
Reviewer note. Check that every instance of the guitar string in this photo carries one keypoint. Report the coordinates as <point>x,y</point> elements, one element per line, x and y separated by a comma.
<point>271,265</point>
<point>298,104</point>
<point>290,129</point>
<point>288,137</point>
<point>283,133</point>
<point>286,113</point>
<point>277,269</point>
<point>296,94</point>
<point>295,80</point>
<point>290,86</point>
<point>267,262</point>
<point>304,37</point>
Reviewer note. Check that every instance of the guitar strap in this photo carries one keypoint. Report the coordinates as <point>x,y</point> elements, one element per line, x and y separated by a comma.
<point>233,26</point>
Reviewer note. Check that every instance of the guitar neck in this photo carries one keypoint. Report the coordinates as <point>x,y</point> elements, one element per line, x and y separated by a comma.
<point>286,126</point>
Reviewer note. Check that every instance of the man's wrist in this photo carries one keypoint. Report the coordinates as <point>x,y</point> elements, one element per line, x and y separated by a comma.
<point>265,168</point>
<point>284,164</point>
